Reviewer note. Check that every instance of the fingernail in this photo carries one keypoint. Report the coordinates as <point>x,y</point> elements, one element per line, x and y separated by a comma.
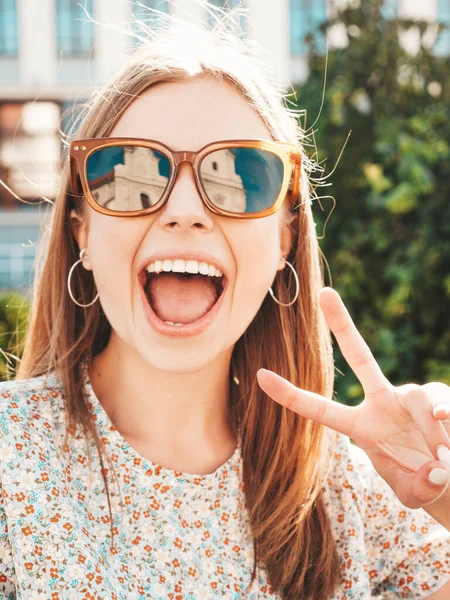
<point>444,454</point>
<point>442,406</point>
<point>439,476</point>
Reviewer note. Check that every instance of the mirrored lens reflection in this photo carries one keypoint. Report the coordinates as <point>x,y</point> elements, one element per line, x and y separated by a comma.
<point>242,180</point>
<point>239,180</point>
<point>126,178</point>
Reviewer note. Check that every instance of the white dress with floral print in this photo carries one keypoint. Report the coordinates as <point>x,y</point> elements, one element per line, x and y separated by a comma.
<point>182,537</point>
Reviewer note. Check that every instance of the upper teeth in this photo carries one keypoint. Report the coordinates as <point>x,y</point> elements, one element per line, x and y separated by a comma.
<point>183,266</point>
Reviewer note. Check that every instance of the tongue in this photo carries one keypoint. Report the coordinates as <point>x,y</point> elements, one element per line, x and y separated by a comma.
<point>181,298</point>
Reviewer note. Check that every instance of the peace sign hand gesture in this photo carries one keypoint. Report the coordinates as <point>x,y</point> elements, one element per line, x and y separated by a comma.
<point>404,430</point>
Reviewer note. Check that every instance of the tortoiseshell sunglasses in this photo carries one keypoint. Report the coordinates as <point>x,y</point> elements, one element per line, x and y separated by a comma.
<point>130,177</point>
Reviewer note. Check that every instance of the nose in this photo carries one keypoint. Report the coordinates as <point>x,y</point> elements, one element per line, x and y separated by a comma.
<point>184,209</point>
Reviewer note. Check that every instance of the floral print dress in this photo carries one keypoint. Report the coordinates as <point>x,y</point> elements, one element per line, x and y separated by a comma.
<point>179,536</point>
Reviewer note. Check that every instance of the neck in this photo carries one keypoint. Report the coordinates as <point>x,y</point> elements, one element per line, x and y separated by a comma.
<point>179,420</point>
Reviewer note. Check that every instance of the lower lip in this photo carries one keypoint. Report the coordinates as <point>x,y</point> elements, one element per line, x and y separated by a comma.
<point>178,331</point>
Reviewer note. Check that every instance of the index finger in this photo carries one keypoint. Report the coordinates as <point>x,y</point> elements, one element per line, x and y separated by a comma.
<point>308,404</point>
<point>353,347</point>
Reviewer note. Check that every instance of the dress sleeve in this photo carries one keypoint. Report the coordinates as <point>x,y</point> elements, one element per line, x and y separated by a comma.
<point>7,575</point>
<point>408,551</point>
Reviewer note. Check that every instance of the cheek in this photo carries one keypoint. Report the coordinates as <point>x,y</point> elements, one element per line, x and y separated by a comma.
<point>112,246</point>
<point>257,255</point>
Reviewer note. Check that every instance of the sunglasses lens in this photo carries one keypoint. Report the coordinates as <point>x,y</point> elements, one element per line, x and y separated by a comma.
<point>242,180</point>
<point>126,178</point>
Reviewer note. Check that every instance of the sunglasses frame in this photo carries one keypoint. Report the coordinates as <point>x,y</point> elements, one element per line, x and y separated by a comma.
<point>80,150</point>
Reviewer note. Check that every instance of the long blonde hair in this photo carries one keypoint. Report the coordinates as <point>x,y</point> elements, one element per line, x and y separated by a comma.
<point>285,457</point>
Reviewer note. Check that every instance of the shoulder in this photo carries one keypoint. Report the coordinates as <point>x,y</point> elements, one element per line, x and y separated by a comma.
<point>24,388</point>
<point>25,400</point>
<point>402,548</point>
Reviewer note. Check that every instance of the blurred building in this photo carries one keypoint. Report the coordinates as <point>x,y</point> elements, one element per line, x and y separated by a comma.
<point>51,55</point>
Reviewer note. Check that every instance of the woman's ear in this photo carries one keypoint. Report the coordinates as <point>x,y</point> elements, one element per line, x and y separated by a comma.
<point>286,238</point>
<point>78,227</point>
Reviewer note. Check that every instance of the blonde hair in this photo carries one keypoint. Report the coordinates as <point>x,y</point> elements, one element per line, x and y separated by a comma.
<point>285,457</point>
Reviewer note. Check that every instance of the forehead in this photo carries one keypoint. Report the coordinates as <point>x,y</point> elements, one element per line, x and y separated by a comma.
<point>191,113</point>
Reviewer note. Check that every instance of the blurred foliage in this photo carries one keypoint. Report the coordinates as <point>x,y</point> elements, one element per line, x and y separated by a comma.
<point>388,240</point>
<point>14,312</point>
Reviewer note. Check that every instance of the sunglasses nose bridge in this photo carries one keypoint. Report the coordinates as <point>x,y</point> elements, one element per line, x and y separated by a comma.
<point>184,156</point>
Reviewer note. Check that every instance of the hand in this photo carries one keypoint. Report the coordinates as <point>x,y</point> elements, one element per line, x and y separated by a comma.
<point>402,429</point>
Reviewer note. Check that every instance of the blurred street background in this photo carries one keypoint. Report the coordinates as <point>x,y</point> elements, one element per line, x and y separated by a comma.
<point>387,243</point>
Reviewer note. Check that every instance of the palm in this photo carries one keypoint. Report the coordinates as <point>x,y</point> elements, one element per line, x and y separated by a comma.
<point>394,442</point>
<point>395,426</point>
<point>383,425</point>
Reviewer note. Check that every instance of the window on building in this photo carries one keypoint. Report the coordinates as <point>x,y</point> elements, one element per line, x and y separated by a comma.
<point>140,7</point>
<point>145,199</point>
<point>389,9</point>
<point>29,166</point>
<point>442,46</point>
<point>75,32</point>
<point>141,12</point>
<point>305,18</point>
<point>226,4</point>
<point>8,28</point>
<point>29,150</point>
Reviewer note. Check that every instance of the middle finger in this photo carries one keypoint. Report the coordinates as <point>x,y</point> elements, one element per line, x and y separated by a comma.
<point>353,347</point>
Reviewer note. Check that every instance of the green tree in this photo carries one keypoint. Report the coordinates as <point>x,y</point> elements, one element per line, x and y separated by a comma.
<point>388,240</point>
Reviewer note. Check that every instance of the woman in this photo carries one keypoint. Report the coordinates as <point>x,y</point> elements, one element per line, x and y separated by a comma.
<point>181,258</point>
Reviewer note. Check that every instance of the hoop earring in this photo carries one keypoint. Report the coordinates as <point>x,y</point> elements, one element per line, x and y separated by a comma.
<point>82,253</point>
<point>296,282</point>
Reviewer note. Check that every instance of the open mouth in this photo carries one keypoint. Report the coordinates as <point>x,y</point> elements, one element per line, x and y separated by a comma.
<point>180,299</point>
